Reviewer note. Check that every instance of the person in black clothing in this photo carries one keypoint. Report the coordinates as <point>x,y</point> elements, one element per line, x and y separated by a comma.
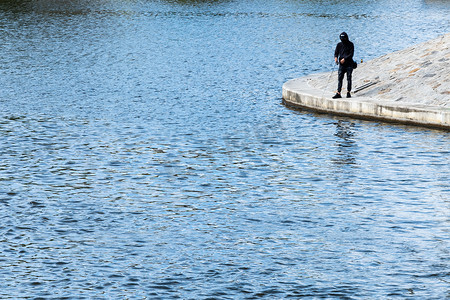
<point>343,55</point>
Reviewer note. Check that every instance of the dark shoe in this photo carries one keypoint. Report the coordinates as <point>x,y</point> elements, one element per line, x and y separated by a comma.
<point>337,96</point>
<point>348,95</point>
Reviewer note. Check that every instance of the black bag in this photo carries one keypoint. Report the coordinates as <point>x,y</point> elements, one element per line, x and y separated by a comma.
<point>355,65</point>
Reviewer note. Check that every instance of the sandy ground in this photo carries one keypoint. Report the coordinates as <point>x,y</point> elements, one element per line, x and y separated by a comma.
<point>419,74</point>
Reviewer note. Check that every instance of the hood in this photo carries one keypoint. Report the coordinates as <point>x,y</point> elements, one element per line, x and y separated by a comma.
<point>344,37</point>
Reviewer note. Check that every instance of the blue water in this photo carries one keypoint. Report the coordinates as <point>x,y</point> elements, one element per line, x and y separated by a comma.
<point>145,154</point>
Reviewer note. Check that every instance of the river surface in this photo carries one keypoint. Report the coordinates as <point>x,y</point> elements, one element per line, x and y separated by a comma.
<point>145,154</point>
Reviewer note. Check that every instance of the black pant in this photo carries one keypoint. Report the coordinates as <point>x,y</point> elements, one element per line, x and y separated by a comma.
<point>341,72</point>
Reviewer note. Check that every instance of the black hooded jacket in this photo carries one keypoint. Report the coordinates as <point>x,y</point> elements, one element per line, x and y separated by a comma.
<point>345,50</point>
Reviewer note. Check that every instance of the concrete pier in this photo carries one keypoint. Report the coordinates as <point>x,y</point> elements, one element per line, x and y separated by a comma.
<point>411,86</point>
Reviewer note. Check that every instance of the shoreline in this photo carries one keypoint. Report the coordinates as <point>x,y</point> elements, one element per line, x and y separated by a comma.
<point>403,92</point>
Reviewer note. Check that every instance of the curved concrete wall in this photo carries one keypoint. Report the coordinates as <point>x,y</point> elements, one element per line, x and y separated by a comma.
<point>299,93</point>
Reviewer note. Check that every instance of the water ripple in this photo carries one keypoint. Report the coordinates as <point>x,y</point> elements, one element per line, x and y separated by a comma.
<point>145,154</point>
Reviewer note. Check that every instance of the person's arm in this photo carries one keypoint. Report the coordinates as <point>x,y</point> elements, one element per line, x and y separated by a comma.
<point>336,54</point>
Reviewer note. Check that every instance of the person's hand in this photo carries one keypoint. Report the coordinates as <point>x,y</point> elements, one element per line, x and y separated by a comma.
<point>342,61</point>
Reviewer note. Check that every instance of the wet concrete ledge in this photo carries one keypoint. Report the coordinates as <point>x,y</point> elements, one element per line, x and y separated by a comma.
<point>300,93</point>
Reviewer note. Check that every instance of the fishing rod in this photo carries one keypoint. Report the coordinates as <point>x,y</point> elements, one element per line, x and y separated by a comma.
<point>329,77</point>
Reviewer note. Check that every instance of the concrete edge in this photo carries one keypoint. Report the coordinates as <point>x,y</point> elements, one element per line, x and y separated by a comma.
<point>299,93</point>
